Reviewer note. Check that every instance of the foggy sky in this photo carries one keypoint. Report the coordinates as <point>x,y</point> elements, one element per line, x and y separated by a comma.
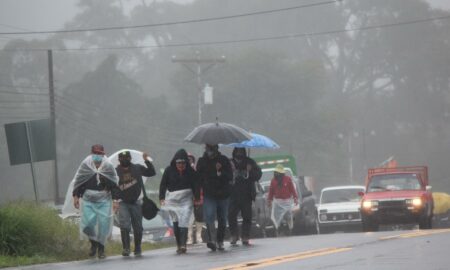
<point>52,14</point>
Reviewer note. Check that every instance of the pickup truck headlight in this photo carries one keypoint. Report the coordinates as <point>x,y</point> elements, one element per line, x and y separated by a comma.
<point>323,217</point>
<point>369,205</point>
<point>415,202</point>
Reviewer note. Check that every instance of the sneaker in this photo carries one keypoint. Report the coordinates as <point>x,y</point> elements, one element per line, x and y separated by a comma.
<point>220,246</point>
<point>246,243</point>
<point>211,246</point>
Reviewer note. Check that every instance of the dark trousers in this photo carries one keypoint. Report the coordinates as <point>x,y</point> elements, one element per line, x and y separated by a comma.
<point>245,208</point>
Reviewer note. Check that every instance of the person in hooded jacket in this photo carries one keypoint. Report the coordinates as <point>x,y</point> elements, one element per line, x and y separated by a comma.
<point>177,191</point>
<point>130,207</point>
<point>245,173</point>
<point>215,180</point>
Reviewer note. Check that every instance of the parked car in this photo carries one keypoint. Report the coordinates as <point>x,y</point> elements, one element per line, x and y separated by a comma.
<point>305,214</point>
<point>339,208</point>
<point>155,230</point>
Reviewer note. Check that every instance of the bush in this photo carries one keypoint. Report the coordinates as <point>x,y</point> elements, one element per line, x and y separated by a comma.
<point>29,229</point>
<point>31,233</point>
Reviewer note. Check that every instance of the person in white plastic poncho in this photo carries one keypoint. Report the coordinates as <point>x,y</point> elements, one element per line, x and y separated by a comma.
<point>176,193</point>
<point>96,184</point>
<point>282,197</point>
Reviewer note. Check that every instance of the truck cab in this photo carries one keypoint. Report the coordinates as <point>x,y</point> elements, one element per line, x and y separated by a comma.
<point>396,196</point>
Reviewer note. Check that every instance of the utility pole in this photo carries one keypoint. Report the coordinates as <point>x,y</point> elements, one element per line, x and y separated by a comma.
<point>201,66</point>
<point>51,93</point>
<point>350,156</point>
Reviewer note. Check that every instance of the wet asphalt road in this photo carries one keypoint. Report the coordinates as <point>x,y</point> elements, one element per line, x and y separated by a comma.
<point>428,249</point>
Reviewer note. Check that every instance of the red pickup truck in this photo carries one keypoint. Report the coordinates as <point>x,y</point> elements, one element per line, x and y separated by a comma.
<point>398,195</point>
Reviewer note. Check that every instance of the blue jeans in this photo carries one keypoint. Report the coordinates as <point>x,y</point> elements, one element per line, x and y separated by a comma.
<point>212,209</point>
<point>130,214</point>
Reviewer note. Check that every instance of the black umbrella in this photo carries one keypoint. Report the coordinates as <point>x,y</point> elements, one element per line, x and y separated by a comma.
<point>216,133</point>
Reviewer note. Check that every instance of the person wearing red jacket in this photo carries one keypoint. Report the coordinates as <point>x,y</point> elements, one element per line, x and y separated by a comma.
<point>282,197</point>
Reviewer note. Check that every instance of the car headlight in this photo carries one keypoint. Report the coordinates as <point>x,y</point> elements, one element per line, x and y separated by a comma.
<point>369,204</point>
<point>323,217</point>
<point>416,202</point>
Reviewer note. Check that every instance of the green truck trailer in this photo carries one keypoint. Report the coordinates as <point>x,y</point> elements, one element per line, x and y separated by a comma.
<point>270,161</point>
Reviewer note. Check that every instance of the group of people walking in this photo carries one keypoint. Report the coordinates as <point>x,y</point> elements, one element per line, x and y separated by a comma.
<point>214,190</point>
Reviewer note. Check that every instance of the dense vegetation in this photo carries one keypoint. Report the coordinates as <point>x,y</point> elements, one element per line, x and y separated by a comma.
<point>383,90</point>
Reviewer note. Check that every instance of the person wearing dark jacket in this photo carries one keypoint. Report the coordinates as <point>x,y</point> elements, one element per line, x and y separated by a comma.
<point>96,183</point>
<point>177,190</point>
<point>215,180</point>
<point>130,207</point>
<point>245,173</point>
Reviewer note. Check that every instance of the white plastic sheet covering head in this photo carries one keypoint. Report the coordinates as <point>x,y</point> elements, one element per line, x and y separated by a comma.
<point>136,158</point>
<point>280,208</point>
<point>179,206</point>
<point>102,208</point>
<point>86,170</point>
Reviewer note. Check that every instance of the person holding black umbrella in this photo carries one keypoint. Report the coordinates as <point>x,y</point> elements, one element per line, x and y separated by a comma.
<point>215,180</point>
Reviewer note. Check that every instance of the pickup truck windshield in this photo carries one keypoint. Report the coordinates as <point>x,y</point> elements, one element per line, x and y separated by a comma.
<point>268,175</point>
<point>401,181</point>
<point>340,195</point>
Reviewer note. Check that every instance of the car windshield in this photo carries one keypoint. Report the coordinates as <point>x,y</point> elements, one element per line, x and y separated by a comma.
<point>268,175</point>
<point>340,195</point>
<point>394,182</point>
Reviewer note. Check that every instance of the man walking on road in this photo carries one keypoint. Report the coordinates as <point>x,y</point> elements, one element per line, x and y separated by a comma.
<point>215,180</point>
<point>96,183</point>
<point>130,207</point>
<point>282,197</point>
<point>245,173</point>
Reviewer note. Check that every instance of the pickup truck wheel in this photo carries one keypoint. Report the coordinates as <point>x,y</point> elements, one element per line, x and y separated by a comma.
<point>425,223</point>
<point>323,230</point>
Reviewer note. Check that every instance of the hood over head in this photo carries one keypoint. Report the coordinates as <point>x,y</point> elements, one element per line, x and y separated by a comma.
<point>180,154</point>
<point>237,150</point>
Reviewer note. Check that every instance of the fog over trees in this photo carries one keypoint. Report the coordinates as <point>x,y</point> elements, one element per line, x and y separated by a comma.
<point>375,74</point>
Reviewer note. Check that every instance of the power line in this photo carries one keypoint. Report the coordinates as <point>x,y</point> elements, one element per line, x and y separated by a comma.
<point>9,113</point>
<point>23,93</point>
<point>24,86</point>
<point>14,27</point>
<point>23,101</point>
<point>86,105</point>
<point>23,107</point>
<point>206,43</point>
<point>175,22</point>
<point>94,129</point>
